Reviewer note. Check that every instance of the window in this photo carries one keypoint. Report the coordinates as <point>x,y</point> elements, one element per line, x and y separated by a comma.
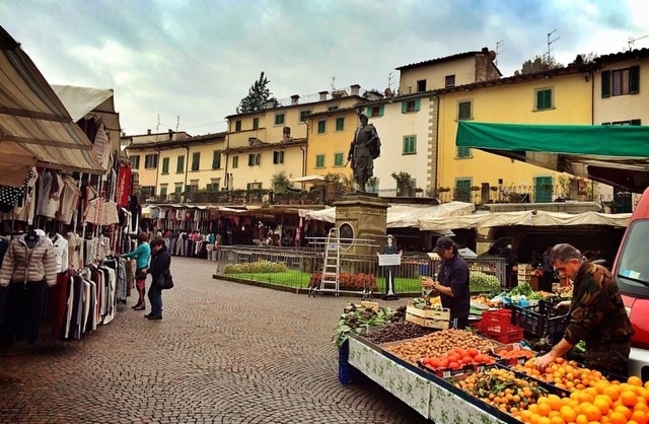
<point>235,162</point>
<point>237,125</point>
<point>254,159</point>
<point>279,119</point>
<point>463,190</point>
<point>332,108</point>
<point>255,123</point>
<point>375,111</point>
<point>278,157</point>
<point>163,189</point>
<point>196,161</point>
<point>340,124</point>
<point>410,106</point>
<point>253,186</point>
<point>322,127</point>
<point>630,122</point>
<point>421,86</point>
<point>464,111</point>
<point>135,161</point>
<point>621,81</point>
<point>180,164</point>
<point>319,161</point>
<point>543,189</point>
<point>193,186</point>
<point>165,166</point>
<point>449,81</point>
<point>216,160</point>
<point>409,144</point>
<point>151,161</point>
<point>543,99</point>
<point>214,185</point>
<point>304,114</point>
<point>463,152</point>
<point>338,159</point>
<point>178,188</point>
<point>148,190</point>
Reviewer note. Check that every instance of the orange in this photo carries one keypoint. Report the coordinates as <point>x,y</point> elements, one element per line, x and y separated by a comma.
<point>555,402</point>
<point>624,410</point>
<point>628,398</point>
<point>581,419</point>
<point>568,414</point>
<point>602,405</point>
<point>525,416</point>
<point>544,420</point>
<point>641,407</point>
<point>640,417</point>
<point>557,420</point>
<point>592,412</point>
<point>617,418</point>
<point>544,409</point>
<point>634,380</point>
<point>583,396</point>
<point>534,419</point>
<point>613,392</point>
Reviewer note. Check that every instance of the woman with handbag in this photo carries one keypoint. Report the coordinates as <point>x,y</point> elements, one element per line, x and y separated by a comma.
<point>159,270</point>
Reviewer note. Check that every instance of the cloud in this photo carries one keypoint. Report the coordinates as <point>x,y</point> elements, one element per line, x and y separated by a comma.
<point>197,59</point>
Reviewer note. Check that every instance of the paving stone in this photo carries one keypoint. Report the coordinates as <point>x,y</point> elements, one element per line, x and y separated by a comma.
<point>223,353</point>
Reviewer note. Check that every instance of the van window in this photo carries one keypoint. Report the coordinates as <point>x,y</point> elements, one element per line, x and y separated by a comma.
<point>633,264</point>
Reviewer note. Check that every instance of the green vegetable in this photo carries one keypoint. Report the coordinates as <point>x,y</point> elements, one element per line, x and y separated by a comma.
<point>523,289</point>
<point>479,281</point>
<point>360,320</point>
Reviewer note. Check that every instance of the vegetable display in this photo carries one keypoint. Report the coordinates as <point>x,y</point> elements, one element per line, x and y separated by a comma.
<point>360,320</point>
<point>481,282</point>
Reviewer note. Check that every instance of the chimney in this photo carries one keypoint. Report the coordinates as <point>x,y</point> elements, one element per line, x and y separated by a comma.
<point>171,134</point>
<point>148,132</point>
<point>323,95</point>
<point>294,99</point>
<point>355,89</point>
<point>270,104</point>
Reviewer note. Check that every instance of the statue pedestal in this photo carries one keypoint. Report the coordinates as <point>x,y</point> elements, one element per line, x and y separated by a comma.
<point>361,216</point>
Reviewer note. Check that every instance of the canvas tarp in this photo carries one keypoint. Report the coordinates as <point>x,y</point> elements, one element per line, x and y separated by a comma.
<point>527,218</point>
<point>611,154</point>
<point>35,127</point>
<point>404,216</point>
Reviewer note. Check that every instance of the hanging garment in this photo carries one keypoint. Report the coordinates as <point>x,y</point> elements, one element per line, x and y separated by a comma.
<point>26,207</point>
<point>61,253</point>
<point>44,188</point>
<point>9,196</point>
<point>69,200</point>
<point>75,253</point>
<point>57,301</point>
<point>101,212</point>
<point>124,180</point>
<point>101,147</point>
<point>22,263</point>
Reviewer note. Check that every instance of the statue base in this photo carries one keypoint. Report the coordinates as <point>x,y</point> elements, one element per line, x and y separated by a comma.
<point>390,297</point>
<point>362,217</point>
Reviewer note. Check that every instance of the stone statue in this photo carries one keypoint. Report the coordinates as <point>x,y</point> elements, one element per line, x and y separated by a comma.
<point>365,147</point>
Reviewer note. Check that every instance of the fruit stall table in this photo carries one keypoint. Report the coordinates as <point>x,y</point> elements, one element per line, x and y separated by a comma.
<point>431,396</point>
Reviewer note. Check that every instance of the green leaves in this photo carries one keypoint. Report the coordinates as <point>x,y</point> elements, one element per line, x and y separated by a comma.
<point>359,321</point>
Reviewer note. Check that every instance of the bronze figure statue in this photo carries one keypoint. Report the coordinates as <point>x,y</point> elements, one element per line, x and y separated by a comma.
<point>365,147</point>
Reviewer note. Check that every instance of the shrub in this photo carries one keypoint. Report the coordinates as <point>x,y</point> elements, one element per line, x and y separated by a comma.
<point>351,282</point>
<point>261,267</point>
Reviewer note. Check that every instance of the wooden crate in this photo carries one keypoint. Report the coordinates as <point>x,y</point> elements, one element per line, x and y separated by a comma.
<point>430,318</point>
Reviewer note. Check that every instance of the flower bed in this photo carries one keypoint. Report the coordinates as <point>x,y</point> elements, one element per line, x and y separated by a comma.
<point>351,282</point>
<point>256,267</point>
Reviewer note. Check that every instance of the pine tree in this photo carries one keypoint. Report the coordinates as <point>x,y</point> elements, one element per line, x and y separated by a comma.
<point>258,96</point>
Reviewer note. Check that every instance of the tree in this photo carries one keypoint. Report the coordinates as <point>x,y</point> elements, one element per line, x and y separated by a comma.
<point>538,64</point>
<point>258,96</point>
<point>280,182</point>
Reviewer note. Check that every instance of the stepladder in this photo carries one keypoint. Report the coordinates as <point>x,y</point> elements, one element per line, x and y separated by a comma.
<point>330,280</point>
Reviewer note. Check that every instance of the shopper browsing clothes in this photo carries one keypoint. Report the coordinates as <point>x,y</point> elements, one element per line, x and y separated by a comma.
<point>597,314</point>
<point>160,263</point>
<point>453,282</point>
<point>141,254</point>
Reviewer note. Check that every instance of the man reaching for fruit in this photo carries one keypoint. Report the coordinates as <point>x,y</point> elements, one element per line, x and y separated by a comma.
<point>597,314</point>
<point>453,284</point>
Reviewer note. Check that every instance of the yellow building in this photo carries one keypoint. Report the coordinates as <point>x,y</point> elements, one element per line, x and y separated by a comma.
<point>560,96</point>
<point>174,168</point>
<point>330,135</point>
<point>262,143</point>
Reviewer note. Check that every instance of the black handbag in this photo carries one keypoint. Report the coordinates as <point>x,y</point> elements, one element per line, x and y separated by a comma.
<point>165,281</point>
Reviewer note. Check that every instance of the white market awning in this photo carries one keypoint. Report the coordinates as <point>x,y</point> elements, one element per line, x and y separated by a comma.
<point>308,179</point>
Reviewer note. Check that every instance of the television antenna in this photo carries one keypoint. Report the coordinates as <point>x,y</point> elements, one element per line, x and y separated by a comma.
<point>390,76</point>
<point>550,43</point>
<point>333,83</point>
<point>632,41</point>
<point>499,45</point>
<point>177,122</point>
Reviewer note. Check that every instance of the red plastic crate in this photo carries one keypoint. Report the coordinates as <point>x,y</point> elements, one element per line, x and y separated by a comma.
<point>498,321</point>
<point>514,335</point>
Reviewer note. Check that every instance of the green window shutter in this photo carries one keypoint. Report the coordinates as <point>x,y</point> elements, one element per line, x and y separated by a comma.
<point>255,123</point>
<point>248,186</point>
<point>163,191</point>
<point>463,190</point>
<point>634,80</point>
<point>340,124</point>
<point>368,111</point>
<point>417,105</point>
<point>404,107</point>
<point>216,160</point>
<point>237,126</point>
<point>381,110</point>
<point>543,189</point>
<point>409,145</point>
<point>165,165</point>
<point>180,165</point>
<point>338,159</point>
<point>322,127</point>
<point>196,161</point>
<point>464,110</point>
<point>235,161</point>
<point>320,161</point>
<point>635,122</point>
<point>463,152</point>
<point>606,84</point>
<point>251,160</point>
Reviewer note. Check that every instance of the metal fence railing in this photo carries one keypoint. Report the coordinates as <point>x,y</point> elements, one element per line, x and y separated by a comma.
<point>299,268</point>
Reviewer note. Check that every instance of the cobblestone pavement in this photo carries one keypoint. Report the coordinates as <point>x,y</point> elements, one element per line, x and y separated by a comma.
<point>223,353</point>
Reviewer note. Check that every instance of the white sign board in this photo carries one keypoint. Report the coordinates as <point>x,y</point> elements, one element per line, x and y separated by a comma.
<point>390,260</point>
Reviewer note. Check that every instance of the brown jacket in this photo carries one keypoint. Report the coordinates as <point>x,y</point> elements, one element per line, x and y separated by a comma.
<point>23,264</point>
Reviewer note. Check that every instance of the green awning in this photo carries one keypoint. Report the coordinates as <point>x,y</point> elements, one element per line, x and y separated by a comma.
<point>611,154</point>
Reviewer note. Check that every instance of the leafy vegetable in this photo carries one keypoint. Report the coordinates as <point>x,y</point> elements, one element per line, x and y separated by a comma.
<point>360,320</point>
<point>479,281</point>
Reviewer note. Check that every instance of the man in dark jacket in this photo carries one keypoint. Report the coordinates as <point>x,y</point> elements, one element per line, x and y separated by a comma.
<point>160,263</point>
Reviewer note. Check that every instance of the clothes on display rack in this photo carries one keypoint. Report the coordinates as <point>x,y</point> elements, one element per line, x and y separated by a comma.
<point>61,252</point>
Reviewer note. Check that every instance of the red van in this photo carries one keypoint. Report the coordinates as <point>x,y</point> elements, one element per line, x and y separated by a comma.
<point>631,271</point>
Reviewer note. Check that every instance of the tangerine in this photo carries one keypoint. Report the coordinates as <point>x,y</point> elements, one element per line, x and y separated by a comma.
<point>544,409</point>
<point>568,414</point>
<point>617,418</point>
<point>634,380</point>
<point>640,417</point>
<point>581,419</point>
<point>629,398</point>
<point>624,410</point>
<point>555,402</point>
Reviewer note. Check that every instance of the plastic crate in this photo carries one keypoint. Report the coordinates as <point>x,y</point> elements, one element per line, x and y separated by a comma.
<point>498,321</point>
<point>540,320</point>
<point>347,374</point>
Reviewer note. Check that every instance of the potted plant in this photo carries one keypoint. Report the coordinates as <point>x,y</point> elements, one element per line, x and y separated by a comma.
<point>372,184</point>
<point>280,182</point>
<point>403,180</point>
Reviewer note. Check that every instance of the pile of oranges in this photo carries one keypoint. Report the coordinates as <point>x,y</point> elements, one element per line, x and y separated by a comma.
<point>567,375</point>
<point>601,402</point>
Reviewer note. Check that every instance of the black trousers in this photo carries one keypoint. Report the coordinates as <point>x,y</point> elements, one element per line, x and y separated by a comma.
<point>459,322</point>
<point>23,312</point>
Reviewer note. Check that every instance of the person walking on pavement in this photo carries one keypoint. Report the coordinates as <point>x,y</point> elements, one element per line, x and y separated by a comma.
<point>510,262</point>
<point>453,284</point>
<point>160,263</point>
<point>141,254</point>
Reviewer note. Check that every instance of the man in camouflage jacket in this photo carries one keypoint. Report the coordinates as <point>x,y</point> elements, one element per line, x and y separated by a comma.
<point>597,314</point>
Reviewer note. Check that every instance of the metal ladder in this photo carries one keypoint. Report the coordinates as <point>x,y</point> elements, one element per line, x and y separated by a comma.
<point>330,281</point>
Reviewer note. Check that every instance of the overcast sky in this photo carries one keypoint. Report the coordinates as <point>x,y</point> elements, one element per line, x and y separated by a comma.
<point>197,59</point>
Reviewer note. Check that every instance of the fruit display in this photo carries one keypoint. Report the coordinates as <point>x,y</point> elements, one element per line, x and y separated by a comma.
<point>485,302</point>
<point>455,359</point>
<point>439,344</point>
<point>564,292</point>
<point>502,389</point>
<point>401,330</point>
<point>513,355</point>
<point>567,375</point>
<point>481,282</point>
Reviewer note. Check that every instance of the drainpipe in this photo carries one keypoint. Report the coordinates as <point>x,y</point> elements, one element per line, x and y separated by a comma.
<point>592,96</point>
<point>157,171</point>
<point>226,180</point>
<point>305,150</point>
<point>437,141</point>
<point>186,170</point>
